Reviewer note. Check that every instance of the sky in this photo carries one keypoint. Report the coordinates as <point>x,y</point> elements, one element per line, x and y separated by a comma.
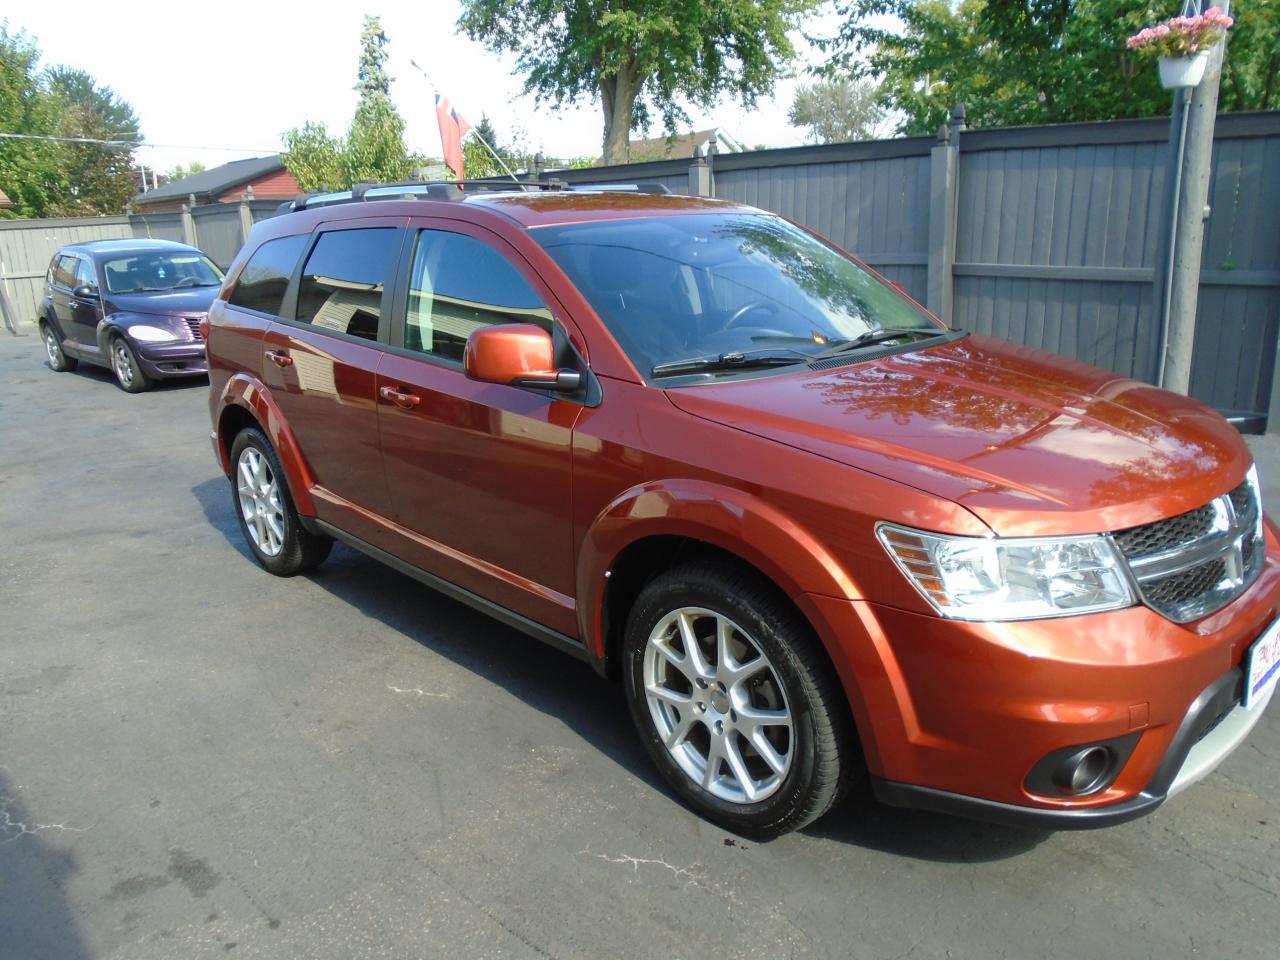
<point>222,82</point>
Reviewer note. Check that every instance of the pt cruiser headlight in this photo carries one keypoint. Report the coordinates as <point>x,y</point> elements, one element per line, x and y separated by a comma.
<point>977,578</point>
<point>149,334</point>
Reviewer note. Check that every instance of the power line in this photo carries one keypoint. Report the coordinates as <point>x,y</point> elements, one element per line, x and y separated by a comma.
<point>134,143</point>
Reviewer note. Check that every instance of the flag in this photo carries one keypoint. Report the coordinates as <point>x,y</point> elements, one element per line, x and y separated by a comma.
<point>452,129</point>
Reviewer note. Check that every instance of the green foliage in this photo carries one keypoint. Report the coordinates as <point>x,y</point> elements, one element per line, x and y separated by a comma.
<point>642,59</point>
<point>373,148</point>
<point>47,178</point>
<point>1014,62</point>
<point>838,110</point>
<point>181,172</point>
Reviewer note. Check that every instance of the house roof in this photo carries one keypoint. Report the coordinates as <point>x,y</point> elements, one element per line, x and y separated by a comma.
<point>683,146</point>
<point>209,183</point>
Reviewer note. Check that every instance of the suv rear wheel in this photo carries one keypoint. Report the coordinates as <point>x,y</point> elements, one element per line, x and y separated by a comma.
<point>268,519</point>
<point>735,701</point>
<point>58,360</point>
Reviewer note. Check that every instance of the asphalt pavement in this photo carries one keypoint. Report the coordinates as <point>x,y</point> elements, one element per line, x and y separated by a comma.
<point>200,760</point>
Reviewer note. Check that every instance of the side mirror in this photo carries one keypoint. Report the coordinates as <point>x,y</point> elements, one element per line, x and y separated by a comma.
<point>519,355</point>
<point>86,291</point>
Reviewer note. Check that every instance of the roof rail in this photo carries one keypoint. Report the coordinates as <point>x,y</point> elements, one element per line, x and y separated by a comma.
<point>366,190</point>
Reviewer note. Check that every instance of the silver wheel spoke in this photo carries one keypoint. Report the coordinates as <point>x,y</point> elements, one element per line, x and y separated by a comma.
<point>715,754</point>
<point>752,718</point>
<point>666,695</point>
<point>691,648</point>
<point>762,746</point>
<point>679,732</point>
<point>739,767</point>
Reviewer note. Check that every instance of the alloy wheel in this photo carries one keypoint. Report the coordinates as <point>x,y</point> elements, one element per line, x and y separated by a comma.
<point>122,363</point>
<point>717,705</point>
<point>260,504</point>
<point>51,347</point>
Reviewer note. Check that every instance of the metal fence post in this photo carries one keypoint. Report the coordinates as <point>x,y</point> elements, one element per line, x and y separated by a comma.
<point>699,177</point>
<point>944,188</point>
<point>189,222</point>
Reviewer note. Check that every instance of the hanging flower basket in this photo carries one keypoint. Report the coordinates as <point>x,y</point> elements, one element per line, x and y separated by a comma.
<point>1182,45</point>
<point>1183,72</point>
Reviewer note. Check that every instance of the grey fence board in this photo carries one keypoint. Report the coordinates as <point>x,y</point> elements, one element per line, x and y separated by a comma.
<point>158,226</point>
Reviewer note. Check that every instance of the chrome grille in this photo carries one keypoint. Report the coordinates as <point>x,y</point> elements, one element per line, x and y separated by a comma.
<point>193,324</point>
<point>1190,565</point>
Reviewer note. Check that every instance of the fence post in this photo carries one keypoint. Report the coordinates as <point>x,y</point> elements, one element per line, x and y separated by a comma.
<point>699,177</point>
<point>246,218</point>
<point>944,188</point>
<point>189,222</point>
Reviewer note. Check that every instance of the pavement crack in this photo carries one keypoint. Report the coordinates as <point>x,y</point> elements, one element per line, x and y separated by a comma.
<point>8,824</point>
<point>418,691</point>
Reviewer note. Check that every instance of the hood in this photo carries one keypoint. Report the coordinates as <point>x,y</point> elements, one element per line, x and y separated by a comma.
<point>170,303</point>
<point>1033,444</point>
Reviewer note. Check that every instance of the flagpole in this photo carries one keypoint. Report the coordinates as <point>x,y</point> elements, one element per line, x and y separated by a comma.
<point>492,152</point>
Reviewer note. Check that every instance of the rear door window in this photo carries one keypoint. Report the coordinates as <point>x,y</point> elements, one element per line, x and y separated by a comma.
<point>85,273</point>
<point>345,278</point>
<point>265,278</point>
<point>64,270</point>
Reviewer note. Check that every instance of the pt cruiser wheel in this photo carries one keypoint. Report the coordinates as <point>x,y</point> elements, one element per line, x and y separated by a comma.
<point>124,364</point>
<point>735,701</point>
<point>267,516</point>
<point>58,360</point>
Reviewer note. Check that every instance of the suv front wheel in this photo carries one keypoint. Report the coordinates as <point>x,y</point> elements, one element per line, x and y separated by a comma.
<point>735,701</point>
<point>265,509</point>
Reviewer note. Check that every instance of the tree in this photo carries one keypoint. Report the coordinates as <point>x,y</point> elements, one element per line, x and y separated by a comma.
<point>641,59</point>
<point>374,147</point>
<point>181,172</point>
<point>98,178</point>
<point>48,177</point>
<point>1013,62</point>
<point>837,111</point>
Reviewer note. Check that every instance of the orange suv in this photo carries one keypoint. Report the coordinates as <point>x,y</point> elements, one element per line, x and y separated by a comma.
<point>818,535</point>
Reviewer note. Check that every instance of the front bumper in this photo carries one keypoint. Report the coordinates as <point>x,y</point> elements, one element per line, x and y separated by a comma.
<point>1214,726</point>
<point>954,716</point>
<point>177,359</point>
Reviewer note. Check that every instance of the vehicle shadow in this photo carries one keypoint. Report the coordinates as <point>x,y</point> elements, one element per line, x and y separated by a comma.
<point>561,686</point>
<point>91,371</point>
<point>861,821</point>
<point>36,920</point>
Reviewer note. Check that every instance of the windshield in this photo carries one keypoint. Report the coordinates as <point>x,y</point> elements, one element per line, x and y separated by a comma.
<point>142,272</point>
<point>707,285</point>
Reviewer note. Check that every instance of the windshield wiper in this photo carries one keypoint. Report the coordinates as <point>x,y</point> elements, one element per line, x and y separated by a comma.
<point>737,360</point>
<point>879,336</point>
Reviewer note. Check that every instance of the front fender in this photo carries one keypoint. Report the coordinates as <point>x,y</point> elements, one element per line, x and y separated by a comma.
<point>728,518</point>
<point>252,395</point>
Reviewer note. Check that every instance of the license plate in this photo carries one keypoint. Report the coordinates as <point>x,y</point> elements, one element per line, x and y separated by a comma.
<point>1262,665</point>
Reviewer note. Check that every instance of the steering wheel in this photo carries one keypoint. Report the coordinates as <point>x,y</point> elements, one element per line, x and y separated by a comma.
<point>743,310</point>
<point>186,282</point>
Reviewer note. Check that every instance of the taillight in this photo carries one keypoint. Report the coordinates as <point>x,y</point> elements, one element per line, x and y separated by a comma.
<point>204,328</point>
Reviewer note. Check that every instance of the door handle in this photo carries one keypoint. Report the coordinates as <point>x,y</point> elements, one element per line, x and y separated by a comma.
<point>280,358</point>
<point>400,397</point>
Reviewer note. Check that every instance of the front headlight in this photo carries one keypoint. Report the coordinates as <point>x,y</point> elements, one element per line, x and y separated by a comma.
<point>149,334</point>
<point>975,578</point>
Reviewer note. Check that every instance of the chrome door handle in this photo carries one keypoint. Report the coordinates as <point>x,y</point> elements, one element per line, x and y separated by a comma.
<point>398,396</point>
<point>280,358</point>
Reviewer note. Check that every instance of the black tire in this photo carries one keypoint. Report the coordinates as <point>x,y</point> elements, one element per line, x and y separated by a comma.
<point>58,360</point>
<point>821,747</point>
<point>124,364</point>
<point>298,549</point>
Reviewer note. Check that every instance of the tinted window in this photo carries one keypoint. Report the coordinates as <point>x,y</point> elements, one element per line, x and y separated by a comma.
<point>459,284</point>
<point>343,280</point>
<point>265,277</point>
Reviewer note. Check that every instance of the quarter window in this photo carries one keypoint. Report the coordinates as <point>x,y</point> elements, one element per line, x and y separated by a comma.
<point>64,271</point>
<point>459,284</point>
<point>344,278</point>
<point>265,277</point>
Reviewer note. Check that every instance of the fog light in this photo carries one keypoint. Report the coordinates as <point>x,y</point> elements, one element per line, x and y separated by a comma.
<point>1083,771</point>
